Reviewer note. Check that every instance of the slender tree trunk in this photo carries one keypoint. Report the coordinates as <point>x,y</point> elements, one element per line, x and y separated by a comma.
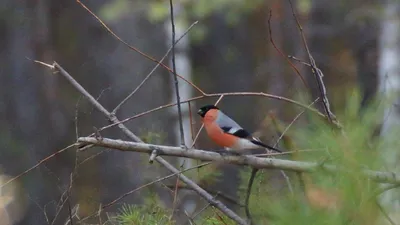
<point>389,79</point>
<point>183,68</point>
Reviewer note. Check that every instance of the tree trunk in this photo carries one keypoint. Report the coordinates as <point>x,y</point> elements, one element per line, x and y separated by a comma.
<point>389,79</point>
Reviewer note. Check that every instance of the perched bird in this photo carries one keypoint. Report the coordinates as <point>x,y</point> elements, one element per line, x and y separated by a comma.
<point>226,133</point>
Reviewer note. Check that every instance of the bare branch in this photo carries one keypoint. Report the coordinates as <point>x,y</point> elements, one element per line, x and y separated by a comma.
<point>141,187</point>
<point>317,72</point>
<point>268,163</point>
<point>384,189</point>
<point>294,120</point>
<point>37,165</point>
<point>248,192</point>
<point>176,84</point>
<point>385,214</point>
<point>216,193</point>
<point>255,170</point>
<point>281,53</point>
<point>137,50</point>
<point>82,90</point>
<point>152,71</point>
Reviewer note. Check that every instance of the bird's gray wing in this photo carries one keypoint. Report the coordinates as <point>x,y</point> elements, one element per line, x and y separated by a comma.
<point>228,125</point>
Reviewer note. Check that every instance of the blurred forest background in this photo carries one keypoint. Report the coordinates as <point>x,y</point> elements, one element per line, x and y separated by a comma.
<point>228,50</point>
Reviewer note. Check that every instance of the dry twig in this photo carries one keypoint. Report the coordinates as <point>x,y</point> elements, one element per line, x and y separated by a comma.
<point>135,49</point>
<point>255,170</point>
<point>141,187</point>
<point>281,52</point>
<point>152,71</point>
<point>176,84</point>
<point>317,73</point>
<point>37,165</point>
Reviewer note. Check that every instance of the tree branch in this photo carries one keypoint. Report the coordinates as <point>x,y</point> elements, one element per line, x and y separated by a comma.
<point>136,49</point>
<point>176,84</point>
<point>317,73</point>
<point>152,71</point>
<point>268,163</point>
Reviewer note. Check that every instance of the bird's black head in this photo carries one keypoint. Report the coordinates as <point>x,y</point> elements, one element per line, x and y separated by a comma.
<point>203,110</point>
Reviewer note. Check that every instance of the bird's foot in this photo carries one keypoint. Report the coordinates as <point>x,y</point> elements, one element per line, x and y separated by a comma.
<point>222,152</point>
<point>235,153</point>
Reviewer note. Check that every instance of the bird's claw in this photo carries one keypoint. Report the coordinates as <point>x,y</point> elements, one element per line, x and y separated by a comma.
<point>222,152</point>
<point>235,153</point>
<point>228,153</point>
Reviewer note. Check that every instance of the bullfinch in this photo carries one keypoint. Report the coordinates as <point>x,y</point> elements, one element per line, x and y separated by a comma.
<point>226,133</point>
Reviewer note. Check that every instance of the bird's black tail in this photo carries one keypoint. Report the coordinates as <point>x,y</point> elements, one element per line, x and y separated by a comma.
<point>259,143</point>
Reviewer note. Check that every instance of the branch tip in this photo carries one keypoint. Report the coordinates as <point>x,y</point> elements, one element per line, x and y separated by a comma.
<point>153,155</point>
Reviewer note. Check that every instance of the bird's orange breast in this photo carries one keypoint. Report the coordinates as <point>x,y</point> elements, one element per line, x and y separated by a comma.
<point>215,132</point>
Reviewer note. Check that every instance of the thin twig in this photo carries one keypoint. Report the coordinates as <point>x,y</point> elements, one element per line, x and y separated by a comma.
<point>69,200</point>
<point>148,184</point>
<point>152,71</point>
<point>218,193</point>
<point>255,170</point>
<point>69,190</point>
<point>135,49</point>
<point>384,189</point>
<point>316,71</point>
<point>60,206</point>
<point>281,136</point>
<point>175,196</point>
<point>67,193</point>
<point>191,221</point>
<point>247,199</point>
<point>381,191</point>
<point>201,210</point>
<point>91,157</point>
<point>176,84</point>
<point>299,60</point>
<point>82,90</point>
<point>292,122</point>
<point>287,180</point>
<point>41,208</point>
<point>385,214</point>
<point>191,123</point>
<point>281,53</point>
<point>98,214</point>
<point>38,164</point>
<point>98,97</point>
<point>113,202</point>
<point>220,218</point>
<point>202,125</point>
<point>76,117</point>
